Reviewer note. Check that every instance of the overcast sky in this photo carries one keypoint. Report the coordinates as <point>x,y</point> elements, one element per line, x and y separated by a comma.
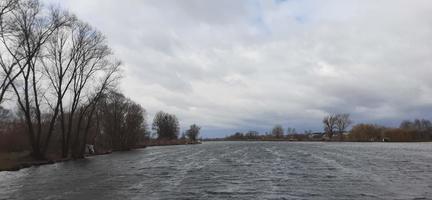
<point>249,64</point>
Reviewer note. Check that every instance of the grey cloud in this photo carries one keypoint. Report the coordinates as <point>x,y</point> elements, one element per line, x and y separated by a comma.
<point>240,65</point>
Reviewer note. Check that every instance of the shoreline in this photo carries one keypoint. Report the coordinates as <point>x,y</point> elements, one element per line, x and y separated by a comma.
<point>330,141</point>
<point>23,160</point>
<point>27,163</point>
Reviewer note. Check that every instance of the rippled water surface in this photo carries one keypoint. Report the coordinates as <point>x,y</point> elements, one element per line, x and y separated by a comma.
<point>236,170</point>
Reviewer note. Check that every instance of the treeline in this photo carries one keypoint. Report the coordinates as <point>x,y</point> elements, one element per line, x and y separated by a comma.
<point>166,128</point>
<point>335,128</point>
<point>408,131</point>
<point>57,69</point>
<point>117,123</point>
<point>62,75</point>
<point>277,133</point>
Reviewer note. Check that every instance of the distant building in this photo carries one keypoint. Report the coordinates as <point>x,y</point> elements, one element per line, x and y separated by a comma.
<point>316,136</point>
<point>90,149</point>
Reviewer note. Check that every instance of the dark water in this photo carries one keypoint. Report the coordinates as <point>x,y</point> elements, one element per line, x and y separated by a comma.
<point>236,170</point>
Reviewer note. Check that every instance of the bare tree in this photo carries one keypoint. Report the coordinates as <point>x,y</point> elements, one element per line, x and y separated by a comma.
<point>330,125</point>
<point>343,121</point>
<point>5,114</point>
<point>278,131</point>
<point>422,124</point>
<point>406,124</point>
<point>166,125</point>
<point>291,131</point>
<point>252,135</point>
<point>135,126</point>
<point>108,77</point>
<point>58,69</point>
<point>417,124</point>
<point>76,56</point>
<point>193,132</point>
<point>30,27</point>
<point>113,114</point>
<point>6,6</point>
<point>122,120</point>
<point>9,55</point>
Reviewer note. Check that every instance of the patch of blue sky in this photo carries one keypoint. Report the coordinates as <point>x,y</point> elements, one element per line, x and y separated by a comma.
<point>257,18</point>
<point>301,19</point>
<point>298,9</point>
<point>279,1</point>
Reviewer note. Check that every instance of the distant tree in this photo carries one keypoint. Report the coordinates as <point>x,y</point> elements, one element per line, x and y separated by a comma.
<point>343,121</point>
<point>421,128</point>
<point>278,131</point>
<point>417,124</point>
<point>330,125</point>
<point>134,125</point>
<point>426,124</point>
<point>193,132</point>
<point>400,135</point>
<point>235,136</point>
<point>166,126</point>
<point>87,111</point>
<point>123,120</point>
<point>183,136</point>
<point>238,135</point>
<point>291,131</point>
<point>252,135</point>
<point>366,132</point>
<point>406,124</point>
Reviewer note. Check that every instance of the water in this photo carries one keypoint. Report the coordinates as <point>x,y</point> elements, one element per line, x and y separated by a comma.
<point>236,170</point>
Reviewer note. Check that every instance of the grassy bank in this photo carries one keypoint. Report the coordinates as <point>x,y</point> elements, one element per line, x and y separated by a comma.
<point>15,161</point>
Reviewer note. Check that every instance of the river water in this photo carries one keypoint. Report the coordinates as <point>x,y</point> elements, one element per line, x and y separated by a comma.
<point>236,170</point>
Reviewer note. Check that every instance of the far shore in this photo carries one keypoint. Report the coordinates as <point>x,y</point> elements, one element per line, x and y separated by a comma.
<point>14,161</point>
<point>287,140</point>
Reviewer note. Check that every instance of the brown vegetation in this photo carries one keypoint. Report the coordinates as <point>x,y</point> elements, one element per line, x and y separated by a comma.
<point>366,133</point>
<point>62,75</point>
<point>405,133</point>
<point>166,126</point>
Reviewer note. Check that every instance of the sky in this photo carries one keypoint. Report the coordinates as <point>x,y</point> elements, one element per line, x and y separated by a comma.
<point>250,64</point>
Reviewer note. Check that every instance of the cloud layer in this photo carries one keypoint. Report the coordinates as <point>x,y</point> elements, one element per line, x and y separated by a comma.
<point>249,64</point>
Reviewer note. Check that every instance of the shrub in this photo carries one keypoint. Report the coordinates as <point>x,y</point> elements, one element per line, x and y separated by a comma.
<point>366,132</point>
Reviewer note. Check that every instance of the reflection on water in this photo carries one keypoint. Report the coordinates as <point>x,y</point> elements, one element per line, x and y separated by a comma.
<point>236,170</point>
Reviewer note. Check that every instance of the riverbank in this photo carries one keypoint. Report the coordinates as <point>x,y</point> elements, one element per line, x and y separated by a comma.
<point>170,142</point>
<point>312,141</point>
<point>15,161</point>
<point>19,160</point>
